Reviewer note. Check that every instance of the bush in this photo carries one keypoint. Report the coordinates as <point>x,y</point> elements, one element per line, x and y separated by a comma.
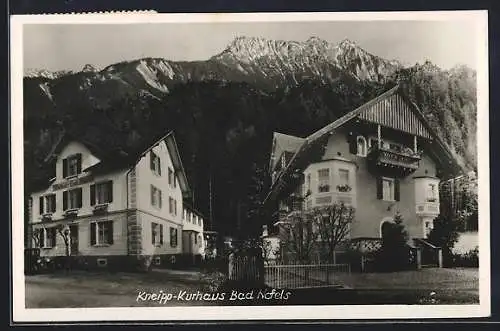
<point>469,259</point>
<point>394,254</point>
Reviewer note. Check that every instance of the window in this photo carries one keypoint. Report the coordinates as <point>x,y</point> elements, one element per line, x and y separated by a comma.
<point>47,204</point>
<point>324,180</point>
<point>72,165</point>
<point>199,220</point>
<point>173,237</point>
<point>155,164</point>
<point>172,206</point>
<point>171,177</point>
<point>343,177</point>
<point>195,239</point>
<point>155,197</point>
<point>72,199</point>
<point>101,233</point>
<point>361,142</point>
<point>101,193</point>
<point>308,182</point>
<point>431,193</point>
<point>388,189</point>
<point>156,234</point>
<point>47,237</point>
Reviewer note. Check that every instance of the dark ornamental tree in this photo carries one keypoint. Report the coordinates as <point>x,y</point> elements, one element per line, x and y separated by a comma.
<point>394,254</point>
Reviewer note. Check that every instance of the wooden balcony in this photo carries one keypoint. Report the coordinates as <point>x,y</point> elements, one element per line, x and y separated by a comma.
<point>385,161</point>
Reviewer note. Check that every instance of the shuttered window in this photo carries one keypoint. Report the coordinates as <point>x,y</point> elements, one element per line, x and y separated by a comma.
<point>173,237</point>
<point>47,204</point>
<point>47,237</point>
<point>388,189</point>
<point>156,234</point>
<point>155,163</point>
<point>101,233</point>
<point>72,165</point>
<point>72,199</point>
<point>101,193</point>
<point>324,180</point>
<point>156,197</point>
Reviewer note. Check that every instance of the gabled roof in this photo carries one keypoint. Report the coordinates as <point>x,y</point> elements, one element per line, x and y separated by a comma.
<point>283,143</point>
<point>115,158</point>
<point>440,150</point>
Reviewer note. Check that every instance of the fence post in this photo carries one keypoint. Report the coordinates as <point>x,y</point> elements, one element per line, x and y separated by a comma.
<point>440,257</point>
<point>419,258</point>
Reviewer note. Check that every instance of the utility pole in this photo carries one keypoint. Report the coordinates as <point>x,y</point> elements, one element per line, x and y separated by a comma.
<point>210,199</point>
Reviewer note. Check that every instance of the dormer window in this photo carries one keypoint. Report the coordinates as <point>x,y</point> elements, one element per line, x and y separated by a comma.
<point>155,163</point>
<point>72,165</point>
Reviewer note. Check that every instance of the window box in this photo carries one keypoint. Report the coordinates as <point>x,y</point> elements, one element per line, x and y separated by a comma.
<point>46,217</point>
<point>344,188</point>
<point>71,212</point>
<point>324,188</point>
<point>100,208</point>
<point>431,200</point>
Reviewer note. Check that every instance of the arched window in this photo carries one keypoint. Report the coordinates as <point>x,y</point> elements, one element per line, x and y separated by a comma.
<point>361,141</point>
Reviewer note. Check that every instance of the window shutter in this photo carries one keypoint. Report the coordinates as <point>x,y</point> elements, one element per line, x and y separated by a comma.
<point>110,232</point>
<point>92,234</point>
<point>53,209</point>
<point>379,188</point>
<point>41,238</point>
<point>161,234</point>
<point>159,199</point>
<point>65,200</point>
<point>353,145</point>
<point>151,161</point>
<point>78,163</point>
<point>92,194</point>
<point>65,168</point>
<point>152,194</point>
<point>41,205</point>
<point>110,191</point>
<point>175,180</point>
<point>159,166</point>
<point>53,237</point>
<point>79,197</point>
<point>153,233</point>
<point>396,190</point>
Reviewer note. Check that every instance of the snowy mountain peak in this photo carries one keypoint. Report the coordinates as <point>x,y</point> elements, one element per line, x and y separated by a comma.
<point>44,73</point>
<point>89,68</point>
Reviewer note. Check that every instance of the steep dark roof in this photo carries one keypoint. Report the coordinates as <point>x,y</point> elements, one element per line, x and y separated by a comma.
<point>439,150</point>
<point>115,157</point>
<point>283,143</point>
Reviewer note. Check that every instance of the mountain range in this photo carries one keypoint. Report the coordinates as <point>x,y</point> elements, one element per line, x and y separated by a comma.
<point>253,87</point>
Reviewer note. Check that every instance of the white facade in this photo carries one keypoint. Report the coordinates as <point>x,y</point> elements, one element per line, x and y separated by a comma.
<point>108,213</point>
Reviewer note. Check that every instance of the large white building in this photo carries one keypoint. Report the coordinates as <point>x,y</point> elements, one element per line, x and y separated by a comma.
<point>116,210</point>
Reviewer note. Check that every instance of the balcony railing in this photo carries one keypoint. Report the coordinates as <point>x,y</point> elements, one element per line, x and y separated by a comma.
<point>427,208</point>
<point>406,161</point>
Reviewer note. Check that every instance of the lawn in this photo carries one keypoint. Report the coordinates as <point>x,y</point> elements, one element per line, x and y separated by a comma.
<point>100,289</point>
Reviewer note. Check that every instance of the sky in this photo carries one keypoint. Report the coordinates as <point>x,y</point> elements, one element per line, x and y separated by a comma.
<point>71,46</point>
